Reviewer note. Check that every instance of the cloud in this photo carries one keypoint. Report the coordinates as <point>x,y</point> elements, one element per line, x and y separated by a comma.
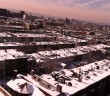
<point>87,4</point>
<point>66,2</point>
<point>91,2</point>
<point>106,7</point>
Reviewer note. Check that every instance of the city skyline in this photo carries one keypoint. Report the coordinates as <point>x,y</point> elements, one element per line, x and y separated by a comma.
<point>94,10</point>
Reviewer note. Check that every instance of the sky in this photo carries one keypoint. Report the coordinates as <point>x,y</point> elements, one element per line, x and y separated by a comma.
<point>94,10</point>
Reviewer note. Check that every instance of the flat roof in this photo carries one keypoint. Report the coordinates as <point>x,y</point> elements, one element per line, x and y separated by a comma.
<point>10,54</point>
<point>72,51</point>
<point>101,73</point>
<point>29,87</point>
<point>32,43</point>
<point>95,75</point>
<point>5,56</point>
<point>10,44</point>
<point>51,92</point>
<point>15,53</point>
<point>31,35</point>
<point>3,34</point>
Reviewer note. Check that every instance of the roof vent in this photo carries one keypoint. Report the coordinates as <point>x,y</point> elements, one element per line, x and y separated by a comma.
<point>80,78</point>
<point>59,88</point>
<point>69,84</point>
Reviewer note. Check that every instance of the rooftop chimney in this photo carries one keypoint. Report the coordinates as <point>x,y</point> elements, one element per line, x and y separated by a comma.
<point>15,74</point>
<point>59,88</point>
<point>80,78</point>
<point>32,72</point>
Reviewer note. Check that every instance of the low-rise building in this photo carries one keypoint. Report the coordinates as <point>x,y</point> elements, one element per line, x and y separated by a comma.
<point>88,80</point>
<point>51,60</point>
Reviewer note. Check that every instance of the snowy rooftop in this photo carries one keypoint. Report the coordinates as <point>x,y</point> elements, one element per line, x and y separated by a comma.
<point>4,35</point>
<point>90,74</point>
<point>74,39</point>
<point>94,75</point>
<point>5,56</point>
<point>15,53</point>
<point>32,43</point>
<point>10,54</point>
<point>12,26</point>
<point>52,91</point>
<point>30,35</point>
<point>22,86</point>
<point>11,44</point>
<point>38,57</point>
<point>72,51</point>
<point>49,43</point>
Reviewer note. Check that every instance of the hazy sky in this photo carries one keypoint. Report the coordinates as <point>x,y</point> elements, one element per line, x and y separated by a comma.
<point>96,10</point>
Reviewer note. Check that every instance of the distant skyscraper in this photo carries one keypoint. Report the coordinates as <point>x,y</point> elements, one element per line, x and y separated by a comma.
<point>67,20</point>
<point>22,14</point>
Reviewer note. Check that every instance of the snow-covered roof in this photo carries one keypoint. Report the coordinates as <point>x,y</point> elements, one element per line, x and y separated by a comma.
<point>24,87</point>
<point>95,76</point>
